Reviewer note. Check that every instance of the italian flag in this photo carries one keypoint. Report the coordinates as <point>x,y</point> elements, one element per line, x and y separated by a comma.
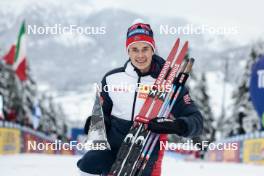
<point>9,57</point>
<point>20,57</point>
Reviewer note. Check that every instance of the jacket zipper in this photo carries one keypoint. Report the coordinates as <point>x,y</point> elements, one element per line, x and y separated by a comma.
<point>135,98</point>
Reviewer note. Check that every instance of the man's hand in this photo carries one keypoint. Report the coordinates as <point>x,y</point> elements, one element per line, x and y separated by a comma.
<point>164,125</point>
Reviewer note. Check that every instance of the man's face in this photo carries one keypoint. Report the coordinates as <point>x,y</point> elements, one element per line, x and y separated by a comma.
<point>140,54</point>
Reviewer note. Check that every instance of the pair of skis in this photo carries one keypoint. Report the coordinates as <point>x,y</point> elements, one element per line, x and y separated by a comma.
<point>151,141</point>
<point>133,153</point>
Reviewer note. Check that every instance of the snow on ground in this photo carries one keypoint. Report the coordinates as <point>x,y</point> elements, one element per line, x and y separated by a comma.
<point>173,167</point>
<point>38,165</point>
<point>54,165</point>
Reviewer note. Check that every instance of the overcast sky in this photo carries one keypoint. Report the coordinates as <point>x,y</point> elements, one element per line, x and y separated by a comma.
<point>245,15</point>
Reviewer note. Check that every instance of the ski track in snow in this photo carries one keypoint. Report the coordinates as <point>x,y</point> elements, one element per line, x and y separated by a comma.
<point>54,165</point>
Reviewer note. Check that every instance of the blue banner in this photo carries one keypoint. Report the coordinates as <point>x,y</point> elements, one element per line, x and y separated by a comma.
<point>75,132</point>
<point>257,88</point>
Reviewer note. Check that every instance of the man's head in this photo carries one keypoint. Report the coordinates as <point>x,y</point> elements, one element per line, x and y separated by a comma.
<point>140,54</point>
<point>140,46</point>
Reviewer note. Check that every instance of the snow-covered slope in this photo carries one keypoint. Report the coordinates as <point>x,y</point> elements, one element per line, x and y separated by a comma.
<point>54,165</point>
<point>79,59</point>
<point>172,167</point>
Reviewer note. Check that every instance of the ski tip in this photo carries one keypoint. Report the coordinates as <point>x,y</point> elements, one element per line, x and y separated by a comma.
<point>192,60</point>
<point>186,61</point>
<point>177,43</point>
<point>186,44</point>
<point>189,66</point>
<point>183,66</point>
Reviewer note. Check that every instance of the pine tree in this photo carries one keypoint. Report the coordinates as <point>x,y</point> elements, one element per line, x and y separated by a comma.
<point>19,98</point>
<point>10,88</point>
<point>244,118</point>
<point>198,85</point>
<point>202,99</point>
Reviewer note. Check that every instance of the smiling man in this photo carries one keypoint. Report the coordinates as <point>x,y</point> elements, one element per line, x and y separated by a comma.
<point>121,107</point>
<point>140,54</point>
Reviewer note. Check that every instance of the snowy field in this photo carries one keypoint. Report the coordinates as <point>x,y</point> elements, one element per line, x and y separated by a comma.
<point>38,165</point>
<point>50,165</point>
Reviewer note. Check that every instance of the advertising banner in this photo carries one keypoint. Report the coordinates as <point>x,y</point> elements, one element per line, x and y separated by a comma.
<point>9,141</point>
<point>253,151</point>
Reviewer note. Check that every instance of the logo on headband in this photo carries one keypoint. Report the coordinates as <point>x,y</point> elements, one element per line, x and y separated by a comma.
<point>137,38</point>
<point>138,31</point>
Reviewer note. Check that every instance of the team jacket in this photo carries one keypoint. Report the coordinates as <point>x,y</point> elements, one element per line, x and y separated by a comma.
<point>124,92</point>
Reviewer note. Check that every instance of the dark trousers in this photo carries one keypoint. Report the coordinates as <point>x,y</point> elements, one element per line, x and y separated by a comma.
<point>100,162</point>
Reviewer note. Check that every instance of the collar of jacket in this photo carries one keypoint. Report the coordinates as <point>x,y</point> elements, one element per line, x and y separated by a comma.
<point>156,66</point>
